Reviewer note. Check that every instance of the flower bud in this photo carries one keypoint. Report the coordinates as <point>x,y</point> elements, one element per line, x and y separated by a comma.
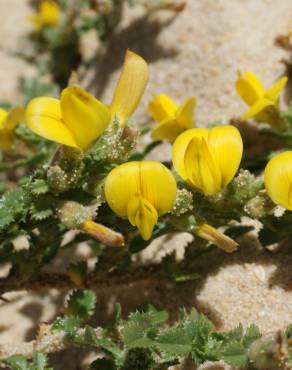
<point>216,237</point>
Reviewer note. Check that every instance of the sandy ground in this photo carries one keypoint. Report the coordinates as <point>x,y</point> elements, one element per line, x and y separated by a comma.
<point>196,53</point>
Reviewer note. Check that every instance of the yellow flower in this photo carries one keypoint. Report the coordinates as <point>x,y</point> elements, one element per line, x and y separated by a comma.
<point>252,91</point>
<point>208,158</point>
<point>141,191</point>
<point>8,122</point>
<point>48,15</point>
<point>172,120</point>
<point>278,179</point>
<point>78,118</point>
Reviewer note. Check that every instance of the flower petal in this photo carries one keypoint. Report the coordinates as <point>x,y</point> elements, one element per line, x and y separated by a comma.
<point>130,87</point>
<point>249,88</point>
<point>3,117</point>
<point>201,167</point>
<point>162,107</point>
<point>49,13</point>
<point>121,184</point>
<point>158,185</point>
<point>227,147</point>
<point>43,117</point>
<point>185,113</point>
<point>14,117</point>
<point>142,214</point>
<point>180,145</point>
<point>84,115</point>
<point>278,179</point>
<point>274,92</point>
<point>166,130</point>
<point>257,108</point>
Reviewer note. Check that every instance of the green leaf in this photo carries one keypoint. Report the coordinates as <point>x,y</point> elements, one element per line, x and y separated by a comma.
<point>81,303</point>
<point>13,207</point>
<point>198,327</point>
<point>67,323</point>
<point>17,362</point>
<point>174,341</point>
<point>135,336</point>
<point>40,361</point>
<point>39,186</point>
<point>141,328</point>
<point>235,334</point>
<point>252,333</point>
<point>235,354</point>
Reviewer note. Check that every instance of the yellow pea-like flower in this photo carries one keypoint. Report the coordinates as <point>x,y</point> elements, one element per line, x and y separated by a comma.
<point>278,179</point>
<point>206,158</point>
<point>48,15</point>
<point>78,118</point>
<point>254,94</point>
<point>172,119</point>
<point>8,122</point>
<point>141,191</point>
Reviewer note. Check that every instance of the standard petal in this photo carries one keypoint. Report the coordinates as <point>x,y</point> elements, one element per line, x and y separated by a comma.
<point>278,179</point>
<point>185,113</point>
<point>249,88</point>
<point>180,145</point>
<point>84,115</point>
<point>43,117</point>
<point>274,92</point>
<point>121,184</point>
<point>257,108</point>
<point>226,145</point>
<point>158,185</point>
<point>166,130</point>
<point>130,87</point>
<point>162,107</point>
<point>201,167</point>
<point>143,215</point>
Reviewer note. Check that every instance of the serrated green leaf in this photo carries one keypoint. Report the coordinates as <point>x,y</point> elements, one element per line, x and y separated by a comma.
<point>67,323</point>
<point>81,303</point>
<point>41,214</point>
<point>40,361</point>
<point>13,206</point>
<point>252,333</point>
<point>198,327</point>
<point>175,342</point>
<point>151,317</point>
<point>235,334</point>
<point>39,186</point>
<point>235,354</point>
<point>135,336</point>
